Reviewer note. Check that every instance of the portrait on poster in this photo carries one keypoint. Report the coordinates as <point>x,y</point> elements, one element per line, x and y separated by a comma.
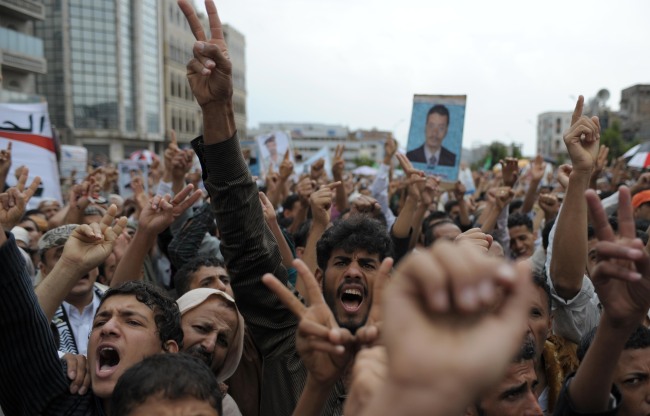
<point>271,148</point>
<point>435,137</point>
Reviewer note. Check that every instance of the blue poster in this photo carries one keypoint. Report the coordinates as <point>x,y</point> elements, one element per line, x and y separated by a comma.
<point>436,134</point>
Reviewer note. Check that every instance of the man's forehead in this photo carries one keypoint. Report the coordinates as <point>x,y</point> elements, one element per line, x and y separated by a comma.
<point>518,373</point>
<point>357,254</point>
<point>214,309</point>
<point>124,303</point>
<point>210,271</point>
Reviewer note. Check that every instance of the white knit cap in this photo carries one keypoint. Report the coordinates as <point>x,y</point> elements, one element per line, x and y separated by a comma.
<point>194,298</point>
<point>20,234</point>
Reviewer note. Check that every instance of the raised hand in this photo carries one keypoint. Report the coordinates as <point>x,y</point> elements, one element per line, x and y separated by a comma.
<point>304,189</point>
<point>502,196</point>
<point>161,211</point>
<point>90,244</point>
<point>177,162</point>
<point>477,238</point>
<point>272,179</point>
<point>325,349</point>
<point>510,171</point>
<point>269,211</point>
<point>321,203</point>
<point>286,167</point>
<point>549,204</point>
<point>79,195</point>
<point>582,139</point>
<point>537,169</point>
<point>317,170</point>
<point>365,205</point>
<point>338,164</point>
<point>14,202</point>
<point>601,161</point>
<point>454,319</point>
<point>622,275</point>
<point>390,147</point>
<point>210,71</point>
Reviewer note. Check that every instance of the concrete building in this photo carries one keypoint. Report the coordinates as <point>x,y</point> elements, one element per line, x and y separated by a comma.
<point>104,85</point>
<point>550,130</point>
<point>635,113</point>
<point>21,53</point>
<point>309,138</point>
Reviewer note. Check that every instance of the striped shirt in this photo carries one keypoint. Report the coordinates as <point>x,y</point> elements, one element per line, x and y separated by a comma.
<point>33,380</point>
<point>250,250</point>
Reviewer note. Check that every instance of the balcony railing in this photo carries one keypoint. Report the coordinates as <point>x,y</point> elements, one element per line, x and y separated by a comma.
<point>21,43</point>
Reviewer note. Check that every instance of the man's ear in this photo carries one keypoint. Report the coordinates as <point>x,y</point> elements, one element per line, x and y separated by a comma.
<point>319,277</point>
<point>170,346</point>
<point>300,251</point>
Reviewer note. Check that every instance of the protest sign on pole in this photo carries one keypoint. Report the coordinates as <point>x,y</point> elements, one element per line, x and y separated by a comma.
<point>27,126</point>
<point>73,158</point>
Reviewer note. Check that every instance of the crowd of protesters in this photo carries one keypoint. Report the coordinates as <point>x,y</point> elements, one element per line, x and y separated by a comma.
<point>326,293</point>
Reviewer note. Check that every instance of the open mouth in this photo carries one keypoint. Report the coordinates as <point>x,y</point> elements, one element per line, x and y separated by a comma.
<point>108,359</point>
<point>352,298</point>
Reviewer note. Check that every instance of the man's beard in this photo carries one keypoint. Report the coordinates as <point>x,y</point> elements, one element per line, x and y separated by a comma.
<point>201,353</point>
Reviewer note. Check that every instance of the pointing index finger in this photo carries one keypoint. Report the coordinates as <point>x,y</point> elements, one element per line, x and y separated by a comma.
<point>577,112</point>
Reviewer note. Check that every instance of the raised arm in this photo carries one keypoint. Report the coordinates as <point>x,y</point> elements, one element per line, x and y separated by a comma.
<point>247,244</point>
<point>87,248</point>
<point>537,169</point>
<point>338,167</point>
<point>157,215</point>
<point>622,280</point>
<point>569,250</point>
<point>27,348</point>
<point>444,345</point>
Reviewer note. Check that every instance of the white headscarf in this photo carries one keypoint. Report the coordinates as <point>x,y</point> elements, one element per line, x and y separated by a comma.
<point>194,298</point>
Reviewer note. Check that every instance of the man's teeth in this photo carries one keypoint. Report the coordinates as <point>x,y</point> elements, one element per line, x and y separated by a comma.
<point>356,292</point>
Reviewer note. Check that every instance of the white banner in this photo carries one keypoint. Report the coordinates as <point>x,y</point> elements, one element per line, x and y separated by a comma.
<point>27,126</point>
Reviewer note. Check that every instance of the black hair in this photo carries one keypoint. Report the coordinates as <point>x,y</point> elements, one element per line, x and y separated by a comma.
<point>639,339</point>
<point>439,109</point>
<point>517,219</point>
<point>515,205</point>
<point>546,232</point>
<point>449,205</point>
<point>165,376</point>
<point>358,232</point>
<point>290,201</point>
<point>429,236</point>
<point>539,279</point>
<point>301,235</point>
<point>183,277</point>
<point>165,310</point>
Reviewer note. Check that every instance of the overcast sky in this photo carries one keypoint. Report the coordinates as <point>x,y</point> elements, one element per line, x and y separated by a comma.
<point>359,62</point>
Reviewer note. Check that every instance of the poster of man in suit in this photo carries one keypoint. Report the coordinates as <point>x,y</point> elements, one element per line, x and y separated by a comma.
<point>436,134</point>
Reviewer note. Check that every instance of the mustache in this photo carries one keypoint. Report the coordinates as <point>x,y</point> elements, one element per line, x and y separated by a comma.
<point>201,353</point>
